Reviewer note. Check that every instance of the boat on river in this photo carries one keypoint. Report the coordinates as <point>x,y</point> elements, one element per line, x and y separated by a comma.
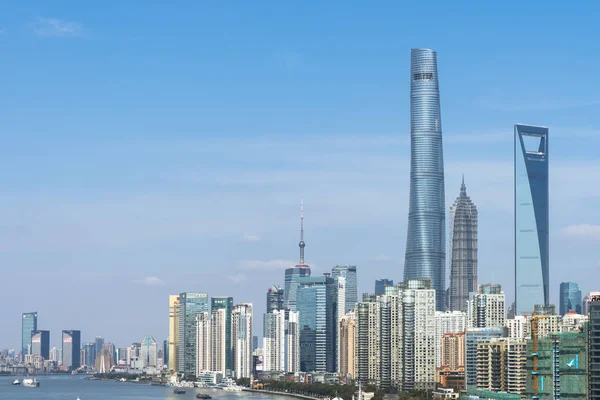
<point>179,391</point>
<point>31,382</point>
<point>16,382</point>
<point>203,396</point>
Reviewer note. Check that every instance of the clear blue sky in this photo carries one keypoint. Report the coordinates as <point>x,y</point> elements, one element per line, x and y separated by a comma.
<point>158,147</point>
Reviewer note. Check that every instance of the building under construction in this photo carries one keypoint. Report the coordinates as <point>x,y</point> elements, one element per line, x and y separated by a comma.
<point>557,366</point>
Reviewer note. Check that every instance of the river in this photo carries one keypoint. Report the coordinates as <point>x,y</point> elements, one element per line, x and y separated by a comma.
<point>69,387</point>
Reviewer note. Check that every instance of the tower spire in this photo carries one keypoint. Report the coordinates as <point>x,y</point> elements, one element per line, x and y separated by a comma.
<point>301,244</point>
<point>463,188</point>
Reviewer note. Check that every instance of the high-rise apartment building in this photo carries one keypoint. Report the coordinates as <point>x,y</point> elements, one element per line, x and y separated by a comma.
<point>381,284</point>
<point>348,272</point>
<point>203,344</point>
<point>518,327</point>
<point>419,334</point>
<point>463,250</point>
<point>274,298</point>
<point>532,274</point>
<point>241,334</point>
<point>570,298</point>
<point>274,341</point>
<point>226,303</point>
<point>316,305</point>
<point>447,322</point>
<point>473,337</point>
<point>218,340</point>
<point>174,332</point>
<point>425,243</point>
<point>368,344</point>
<point>40,344</point>
<point>501,365</point>
<point>453,350</point>
<point>301,270</point>
<point>190,304</point>
<point>292,342</point>
<point>487,308</point>
<point>347,345</point>
<point>28,325</point>
<point>71,344</point>
<point>593,306</point>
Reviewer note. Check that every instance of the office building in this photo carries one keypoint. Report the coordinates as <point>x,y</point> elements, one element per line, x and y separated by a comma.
<point>473,337</point>
<point>190,304</point>
<point>149,352</point>
<point>347,345</point>
<point>99,343</point>
<point>487,308</point>
<point>203,344</point>
<point>463,250</point>
<point>165,350</point>
<point>593,305</point>
<point>381,284</point>
<point>71,344</point>
<point>90,354</point>
<point>531,218</point>
<point>40,344</point>
<point>557,367</point>
<point>274,298</point>
<point>447,322</point>
<point>348,272</point>
<point>425,243</point>
<point>274,341</point>
<point>316,305</point>
<point>302,270</point>
<point>419,335</point>
<point>28,325</point>
<point>241,333</point>
<point>570,298</point>
<point>219,340</point>
<point>174,332</point>
<point>226,303</point>
<point>292,342</point>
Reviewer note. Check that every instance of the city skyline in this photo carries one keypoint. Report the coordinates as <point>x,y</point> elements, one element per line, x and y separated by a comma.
<point>202,196</point>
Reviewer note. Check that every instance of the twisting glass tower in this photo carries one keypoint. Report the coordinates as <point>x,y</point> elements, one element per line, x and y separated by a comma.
<point>425,242</point>
<point>463,250</point>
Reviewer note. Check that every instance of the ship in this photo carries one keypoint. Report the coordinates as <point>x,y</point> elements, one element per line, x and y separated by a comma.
<point>31,382</point>
<point>203,396</point>
<point>16,382</point>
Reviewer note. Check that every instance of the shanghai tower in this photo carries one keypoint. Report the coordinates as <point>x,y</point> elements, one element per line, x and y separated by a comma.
<point>425,242</point>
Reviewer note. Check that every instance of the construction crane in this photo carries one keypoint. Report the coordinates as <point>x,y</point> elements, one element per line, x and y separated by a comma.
<point>535,355</point>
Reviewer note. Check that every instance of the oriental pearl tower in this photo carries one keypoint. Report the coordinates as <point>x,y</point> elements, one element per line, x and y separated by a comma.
<point>298,271</point>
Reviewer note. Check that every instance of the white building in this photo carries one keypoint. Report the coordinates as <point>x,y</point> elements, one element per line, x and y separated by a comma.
<point>203,348</point>
<point>447,322</point>
<point>292,342</point>
<point>488,307</point>
<point>518,327</point>
<point>241,333</point>
<point>341,310</point>
<point>572,321</point>
<point>149,352</point>
<point>274,341</point>
<point>218,344</point>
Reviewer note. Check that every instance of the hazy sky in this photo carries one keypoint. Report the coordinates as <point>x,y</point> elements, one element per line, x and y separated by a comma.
<point>150,148</point>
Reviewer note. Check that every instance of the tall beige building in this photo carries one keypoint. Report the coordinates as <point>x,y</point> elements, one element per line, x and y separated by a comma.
<point>241,340</point>
<point>347,345</point>
<point>174,332</point>
<point>501,365</point>
<point>203,337</point>
<point>218,341</point>
<point>453,350</point>
<point>368,343</point>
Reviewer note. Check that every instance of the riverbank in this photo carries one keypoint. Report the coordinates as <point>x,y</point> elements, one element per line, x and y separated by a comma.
<point>298,396</point>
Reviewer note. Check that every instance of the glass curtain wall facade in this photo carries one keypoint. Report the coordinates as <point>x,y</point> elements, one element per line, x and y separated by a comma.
<point>425,242</point>
<point>380,285</point>
<point>189,305</point>
<point>28,325</point>
<point>531,218</point>
<point>291,284</point>
<point>349,273</point>
<point>40,344</point>
<point>570,298</point>
<point>463,251</point>
<point>318,323</point>
<point>71,345</point>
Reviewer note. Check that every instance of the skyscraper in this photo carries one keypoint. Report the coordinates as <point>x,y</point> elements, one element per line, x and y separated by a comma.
<point>99,342</point>
<point>190,304</point>
<point>594,346</point>
<point>487,308</point>
<point>225,303</point>
<point>347,345</point>
<point>570,298</point>
<point>241,333</point>
<point>292,342</point>
<point>149,352</point>
<point>218,340</point>
<point>425,242</point>
<point>174,332</point>
<point>203,343</point>
<point>447,322</point>
<point>40,344</point>
<point>348,272</point>
<point>28,325</point>
<point>531,218</point>
<point>316,305</point>
<point>463,250</point>
<point>299,271</point>
<point>274,298</point>
<point>380,285</point>
<point>90,354</point>
<point>274,341</point>
<point>71,344</point>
